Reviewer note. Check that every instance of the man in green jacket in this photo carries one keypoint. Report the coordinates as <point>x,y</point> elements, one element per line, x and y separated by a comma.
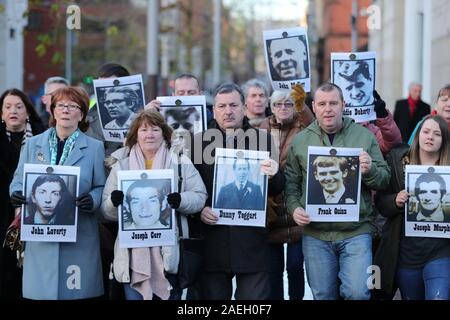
<point>336,253</point>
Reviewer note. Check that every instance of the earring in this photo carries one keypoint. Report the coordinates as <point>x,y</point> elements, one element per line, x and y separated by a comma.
<point>28,119</point>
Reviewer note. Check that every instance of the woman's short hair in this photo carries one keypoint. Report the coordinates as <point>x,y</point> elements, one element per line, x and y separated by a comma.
<point>152,118</point>
<point>75,94</point>
<point>278,96</point>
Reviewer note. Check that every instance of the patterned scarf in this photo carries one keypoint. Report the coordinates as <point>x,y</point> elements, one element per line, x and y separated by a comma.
<point>147,266</point>
<point>68,146</point>
<point>27,135</point>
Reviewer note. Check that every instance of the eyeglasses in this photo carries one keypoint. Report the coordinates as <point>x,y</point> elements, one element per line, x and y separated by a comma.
<point>287,104</point>
<point>70,107</point>
<point>113,101</point>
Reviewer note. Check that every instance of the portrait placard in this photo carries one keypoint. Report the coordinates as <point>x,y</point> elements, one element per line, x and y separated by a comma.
<point>185,114</point>
<point>145,217</point>
<point>118,102</point>
<point>50,213</point>
<point>287,58</point>
<point>354,73</point>
<point>333,184</point>
<point>427,211</point>
<point>240,189</point>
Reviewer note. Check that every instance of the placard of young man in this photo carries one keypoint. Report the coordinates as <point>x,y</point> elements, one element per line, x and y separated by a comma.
<point>50,214</point>
<point>354,73</point>
<point>428,212</point>
<point>334,184</point>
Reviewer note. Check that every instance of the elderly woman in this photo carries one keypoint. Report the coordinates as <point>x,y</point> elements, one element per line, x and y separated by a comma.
<point>19,123</point>
<point>66,270</point>
<point>290,116</point>
<point>148,147</point>
<point>418,266</point>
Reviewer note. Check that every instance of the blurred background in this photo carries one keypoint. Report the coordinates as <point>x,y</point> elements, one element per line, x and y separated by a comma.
<point>218,40</point>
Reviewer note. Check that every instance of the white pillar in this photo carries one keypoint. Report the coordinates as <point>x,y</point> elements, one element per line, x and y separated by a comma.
<point>427,94</point>
<point>412,67</point>
<point>152,36</point>
<point>12,22</point>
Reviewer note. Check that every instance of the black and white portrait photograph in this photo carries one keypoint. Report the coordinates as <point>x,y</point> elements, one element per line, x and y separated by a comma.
<point>354,73</point>
<point>185,114</point>
<point>118,102</point>
<point>50,213</point>
<point>334,181</point>
<point>240,189</point>
<point>145,217</point>
<point>287,58</point>
<point>427,213</point>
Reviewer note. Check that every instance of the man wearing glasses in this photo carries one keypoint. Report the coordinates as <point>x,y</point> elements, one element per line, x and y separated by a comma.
<point>121,104</point>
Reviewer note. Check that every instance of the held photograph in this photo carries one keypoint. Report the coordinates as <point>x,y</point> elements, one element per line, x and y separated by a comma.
<point>118,102</point>
<point>354,73</point>
<point>287,58</point>
<point>334,182</point>
<point>50,213</point>
<point>145,217</point>
<point>427,213</point>
<point>240,189</point>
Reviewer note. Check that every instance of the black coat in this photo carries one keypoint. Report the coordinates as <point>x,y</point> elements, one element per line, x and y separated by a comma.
<point>235,249</point>
<point>10,275</point>
<point>386,256</point>
<point>402,118</point>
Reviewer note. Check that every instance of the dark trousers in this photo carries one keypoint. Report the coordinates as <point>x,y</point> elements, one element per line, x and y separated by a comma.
<point>249,286</point>
<point>294,268</point>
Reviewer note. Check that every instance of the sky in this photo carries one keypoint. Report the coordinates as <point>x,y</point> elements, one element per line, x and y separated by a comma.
<point>271,9</point>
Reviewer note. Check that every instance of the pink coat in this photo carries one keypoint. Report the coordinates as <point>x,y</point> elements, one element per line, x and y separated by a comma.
<point>385,131</point>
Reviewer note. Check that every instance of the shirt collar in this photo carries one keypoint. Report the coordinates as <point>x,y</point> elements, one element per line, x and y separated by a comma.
<point>333,197</point>
<point>436,216</point>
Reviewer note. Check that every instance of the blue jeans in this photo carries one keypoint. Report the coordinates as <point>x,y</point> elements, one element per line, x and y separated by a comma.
<point>431,282</point>
<point>345,262</point>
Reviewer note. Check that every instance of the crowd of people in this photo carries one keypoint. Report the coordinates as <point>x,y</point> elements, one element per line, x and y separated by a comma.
<point>336,255</point>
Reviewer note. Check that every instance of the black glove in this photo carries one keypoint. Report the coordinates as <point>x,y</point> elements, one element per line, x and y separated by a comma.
<point>18,199</point>
<point>380,105</point>
<point>174,199</point>
<point>85,203</point>
<point>117,198</point>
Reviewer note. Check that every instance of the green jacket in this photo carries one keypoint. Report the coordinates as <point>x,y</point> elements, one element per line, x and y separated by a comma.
<point>352,135</point>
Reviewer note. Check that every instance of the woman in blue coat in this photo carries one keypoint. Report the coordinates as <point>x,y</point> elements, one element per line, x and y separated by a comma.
<point>55,270</point>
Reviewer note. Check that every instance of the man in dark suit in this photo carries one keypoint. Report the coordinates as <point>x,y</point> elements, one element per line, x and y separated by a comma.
<point>409,112</point>
<point>241,193</point>
<point>240,252</point>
